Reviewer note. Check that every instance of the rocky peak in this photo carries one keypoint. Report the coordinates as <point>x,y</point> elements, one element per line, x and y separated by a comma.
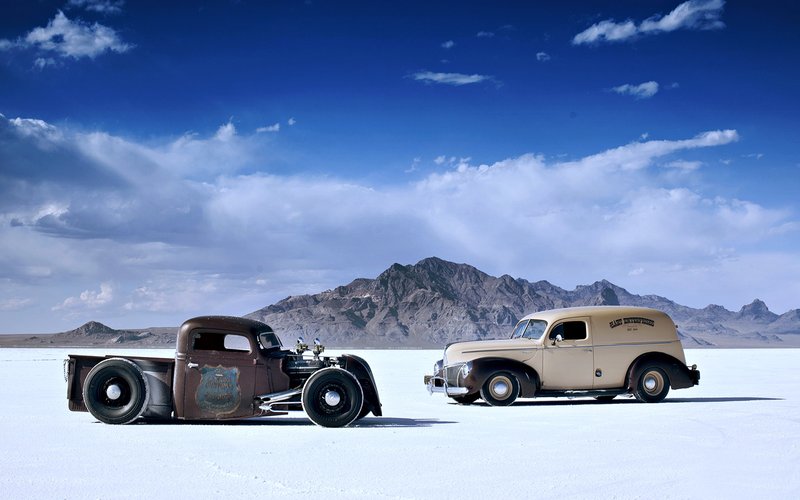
<point>757,310</point>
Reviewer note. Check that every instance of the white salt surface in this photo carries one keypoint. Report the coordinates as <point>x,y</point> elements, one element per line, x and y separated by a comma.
<point>737,435</point>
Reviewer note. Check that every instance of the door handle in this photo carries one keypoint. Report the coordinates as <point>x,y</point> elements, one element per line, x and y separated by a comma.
<point>192,365</point>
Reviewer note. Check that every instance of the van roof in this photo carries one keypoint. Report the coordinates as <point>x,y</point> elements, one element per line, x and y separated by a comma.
<point>567,312</point>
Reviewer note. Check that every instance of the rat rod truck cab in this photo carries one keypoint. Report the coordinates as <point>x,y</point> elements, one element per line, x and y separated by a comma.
<point>598,352</point>
<point>224,368</point>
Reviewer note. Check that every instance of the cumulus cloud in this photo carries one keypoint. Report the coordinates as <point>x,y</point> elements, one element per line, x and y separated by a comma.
<point>449,44</point>
<point>542,56</point>
<point>180,236</point>
<point>694,15</point>
<point>456,79</point>
<point>70,39</point>
<point>485,34</point>
<point>642,91</point>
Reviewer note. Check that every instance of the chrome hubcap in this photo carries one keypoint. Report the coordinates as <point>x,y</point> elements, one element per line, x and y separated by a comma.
<point>332,398</point>
<point>113,392</point>
<point>500,388</point>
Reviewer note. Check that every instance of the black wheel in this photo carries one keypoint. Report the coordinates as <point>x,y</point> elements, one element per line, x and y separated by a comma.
<point>116,391</point>
<point>652,384</point>
<point>606,398</point>
<point>467,399</point>
<point>500,389</point>
<point>332,397</point>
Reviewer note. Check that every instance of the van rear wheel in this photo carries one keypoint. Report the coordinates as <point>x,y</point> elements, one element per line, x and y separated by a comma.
<point>500,389</point>
<point>652,384</point>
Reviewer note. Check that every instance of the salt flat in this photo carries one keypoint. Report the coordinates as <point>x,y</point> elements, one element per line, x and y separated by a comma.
<point>737,435</point>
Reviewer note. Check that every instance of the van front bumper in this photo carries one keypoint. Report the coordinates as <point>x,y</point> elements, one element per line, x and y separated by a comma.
<point>449,380</point>
<point>439,384</point>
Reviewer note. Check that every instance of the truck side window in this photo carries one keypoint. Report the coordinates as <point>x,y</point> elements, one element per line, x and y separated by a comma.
<point>212,341</point>
<point>570,330</point>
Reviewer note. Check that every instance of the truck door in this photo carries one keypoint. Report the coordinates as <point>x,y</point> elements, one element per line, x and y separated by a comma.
<point>220,376</point>
<point>568,363</point>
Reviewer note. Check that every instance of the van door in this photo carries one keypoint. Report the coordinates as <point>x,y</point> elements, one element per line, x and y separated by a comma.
<point>568,363</point>
<point>220,376</point>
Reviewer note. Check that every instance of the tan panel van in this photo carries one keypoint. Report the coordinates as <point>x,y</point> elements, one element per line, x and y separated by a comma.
<point>597,352</point>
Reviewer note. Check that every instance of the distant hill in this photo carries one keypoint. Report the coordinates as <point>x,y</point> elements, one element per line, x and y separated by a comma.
<point>435,302</point>
<point>96,334</point>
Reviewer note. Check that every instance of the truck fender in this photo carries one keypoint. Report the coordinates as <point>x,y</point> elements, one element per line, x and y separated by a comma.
<point>482,368</point>
<point>679,375</point>
<point>363,373</point>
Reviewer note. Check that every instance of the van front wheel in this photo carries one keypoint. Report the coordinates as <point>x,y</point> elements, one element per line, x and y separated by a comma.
<point>652,384</point>
<point>500,389</point>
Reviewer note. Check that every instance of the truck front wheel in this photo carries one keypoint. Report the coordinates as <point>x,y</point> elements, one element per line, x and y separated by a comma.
<point>652,384</point>
<point>332,397</point>
<point>116,391</point>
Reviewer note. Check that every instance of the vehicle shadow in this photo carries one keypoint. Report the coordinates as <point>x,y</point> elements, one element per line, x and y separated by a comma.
<point>374,422</point>
<point>629,400</point>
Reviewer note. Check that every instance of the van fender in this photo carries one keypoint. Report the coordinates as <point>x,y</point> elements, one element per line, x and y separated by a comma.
<point>680,377</point>
<point>482,368</point>
<point>363,373</point>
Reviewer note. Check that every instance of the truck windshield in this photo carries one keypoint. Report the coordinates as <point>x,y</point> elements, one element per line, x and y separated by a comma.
<point>269,340</point>
<point>529,329</point>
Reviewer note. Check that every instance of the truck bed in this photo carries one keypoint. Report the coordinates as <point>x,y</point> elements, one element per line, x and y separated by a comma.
<point>159,373</point>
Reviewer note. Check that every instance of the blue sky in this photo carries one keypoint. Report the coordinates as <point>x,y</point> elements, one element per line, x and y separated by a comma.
<point>214,157</point>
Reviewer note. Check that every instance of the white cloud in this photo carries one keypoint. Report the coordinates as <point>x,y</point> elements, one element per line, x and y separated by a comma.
<point>75,38</point>
<point>101,6</point>
<point>276,127</point>
<point>542,56</point>
<point>71,38</point>
<point>291,121</point>
<point>693,14</point>
<point>43,62</point>
<point>449,44</point>
<point>456,79</point>
<point>642,91</point>
<point>485,34</point>
<point>684,165</point>
<point>14,304</point>
<point>88,299</point>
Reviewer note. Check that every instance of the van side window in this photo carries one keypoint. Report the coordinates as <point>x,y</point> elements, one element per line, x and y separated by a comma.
<point>570,330</point>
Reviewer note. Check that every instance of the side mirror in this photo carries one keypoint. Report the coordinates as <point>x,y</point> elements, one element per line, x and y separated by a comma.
<point>558,339</point>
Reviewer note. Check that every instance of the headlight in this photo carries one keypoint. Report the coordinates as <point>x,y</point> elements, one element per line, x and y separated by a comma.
<point>437,367</point>
<point>466,368</point>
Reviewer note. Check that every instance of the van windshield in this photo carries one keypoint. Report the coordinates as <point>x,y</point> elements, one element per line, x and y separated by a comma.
<point>529,329</point>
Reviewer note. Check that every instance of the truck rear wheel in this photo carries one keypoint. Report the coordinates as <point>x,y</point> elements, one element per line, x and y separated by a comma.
<point>332,397</point>
<point>500,389</point>
<point>652,384</point>
<point>116,391</point>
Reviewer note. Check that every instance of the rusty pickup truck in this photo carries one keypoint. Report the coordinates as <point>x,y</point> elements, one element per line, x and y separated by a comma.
<point>224,368</point>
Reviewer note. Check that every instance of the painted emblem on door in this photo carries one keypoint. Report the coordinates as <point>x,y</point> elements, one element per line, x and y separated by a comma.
<point>218,391</point>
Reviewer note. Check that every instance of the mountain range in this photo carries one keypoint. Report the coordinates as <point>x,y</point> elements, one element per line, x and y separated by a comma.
<point>434,302</point>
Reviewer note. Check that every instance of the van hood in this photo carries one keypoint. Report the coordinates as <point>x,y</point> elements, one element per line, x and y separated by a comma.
<point>469,350</point>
